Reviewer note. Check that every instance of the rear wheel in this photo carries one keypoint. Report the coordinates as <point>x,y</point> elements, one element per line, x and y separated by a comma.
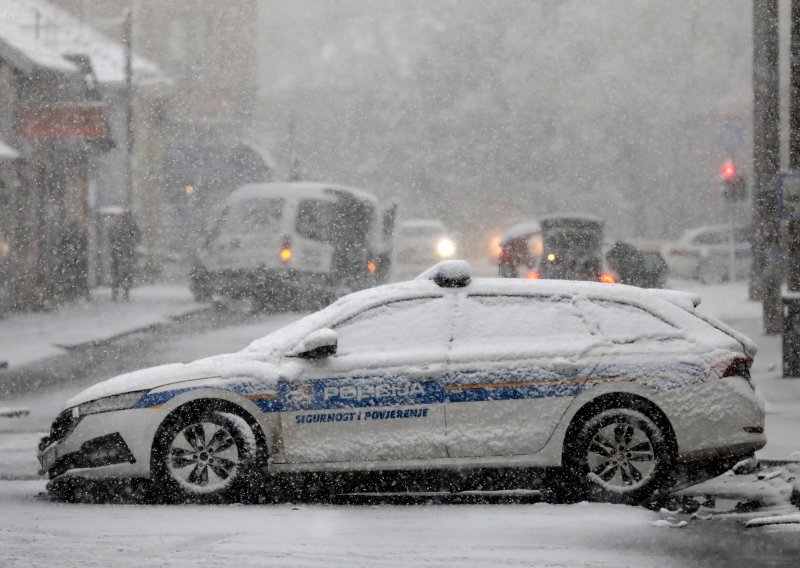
<point>620,455</point>
<point>209,457</point>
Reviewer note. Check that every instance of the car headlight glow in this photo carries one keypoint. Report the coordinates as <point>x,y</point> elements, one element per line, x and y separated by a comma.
<point>108,403</point>
<point>445,248</point>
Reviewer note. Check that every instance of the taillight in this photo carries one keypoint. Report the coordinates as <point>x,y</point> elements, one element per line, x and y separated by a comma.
<point>371,266</point>
<point>678,252</point>
<point>533,276</point>
<point>608,278</point>
<point>286,249</point>
<point>738,367</point>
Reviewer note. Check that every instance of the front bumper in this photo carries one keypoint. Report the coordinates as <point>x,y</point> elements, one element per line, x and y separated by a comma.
<point>106,445</point>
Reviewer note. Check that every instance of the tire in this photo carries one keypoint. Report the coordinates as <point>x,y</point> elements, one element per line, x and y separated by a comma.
<point>205,457</point>
<point>620,456</point>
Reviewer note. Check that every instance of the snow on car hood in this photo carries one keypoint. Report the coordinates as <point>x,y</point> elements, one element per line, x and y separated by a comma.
<point>259,360</point>
<point>223,366</point>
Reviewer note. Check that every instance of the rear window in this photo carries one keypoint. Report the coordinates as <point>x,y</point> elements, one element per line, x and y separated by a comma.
<point>314,219</point>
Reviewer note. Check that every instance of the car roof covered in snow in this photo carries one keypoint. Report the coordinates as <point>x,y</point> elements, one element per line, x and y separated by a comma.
<point>422,223</point>
<point>258,359</point>
<point>524,229</point>
<point>581,217</point>
<point>308,190</point>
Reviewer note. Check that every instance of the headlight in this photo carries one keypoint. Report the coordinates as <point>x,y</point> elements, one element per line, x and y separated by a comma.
<point>445,248</point>
<point>108,404</point>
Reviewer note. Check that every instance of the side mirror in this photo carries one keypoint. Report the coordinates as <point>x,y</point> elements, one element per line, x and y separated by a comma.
<point>318,345</point>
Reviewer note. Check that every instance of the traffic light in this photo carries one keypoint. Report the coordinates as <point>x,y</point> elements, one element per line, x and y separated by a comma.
<point>728,171</point>
<point>734,184</point>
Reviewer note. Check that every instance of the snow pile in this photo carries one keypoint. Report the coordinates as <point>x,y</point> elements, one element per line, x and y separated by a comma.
<point>793,519</point>
<point>7,152</point>
<point>669,524</point>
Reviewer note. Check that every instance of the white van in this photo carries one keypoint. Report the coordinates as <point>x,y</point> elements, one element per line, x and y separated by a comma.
<point>283,241</point>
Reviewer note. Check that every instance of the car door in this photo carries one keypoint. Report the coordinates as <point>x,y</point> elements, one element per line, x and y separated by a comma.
<point>515,366</point>
<point>380,396</point>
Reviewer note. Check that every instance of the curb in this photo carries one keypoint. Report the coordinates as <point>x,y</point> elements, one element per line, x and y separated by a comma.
<point>128,332</point>
<point>4,366</point>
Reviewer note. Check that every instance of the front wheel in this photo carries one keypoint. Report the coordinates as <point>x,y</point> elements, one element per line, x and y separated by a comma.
<point>620,455</point>
<point>208,457</point>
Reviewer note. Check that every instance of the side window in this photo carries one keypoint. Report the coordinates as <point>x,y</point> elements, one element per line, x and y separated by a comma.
<point>508,322</point>
<point>409,325</point>
<point>623,323</point>
<point>313,219</point>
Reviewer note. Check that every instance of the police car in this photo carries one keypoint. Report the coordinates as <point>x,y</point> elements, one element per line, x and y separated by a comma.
<point>623,391</point>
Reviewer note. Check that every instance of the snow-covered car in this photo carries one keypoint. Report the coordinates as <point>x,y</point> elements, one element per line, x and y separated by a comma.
<point>622,391</point>
<point>704,253</point>
<point>418,244</point>
<point>283,241</point>
<point>520,249</point>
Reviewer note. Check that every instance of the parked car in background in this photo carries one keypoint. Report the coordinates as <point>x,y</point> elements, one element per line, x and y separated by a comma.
<point>704,253</point>
<point>520,249</point>
<point>637,265</point>
<point>419,243</point>
<point>283,242</point>
<point>622,391</point>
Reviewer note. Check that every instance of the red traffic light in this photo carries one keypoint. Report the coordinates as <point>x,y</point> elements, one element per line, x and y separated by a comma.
<point>728,171</point>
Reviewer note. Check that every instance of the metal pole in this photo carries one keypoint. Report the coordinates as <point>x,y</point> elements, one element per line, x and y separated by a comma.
<point>767,263</point>
<point>791,328</point>
<point>793,252</point>
<point>127,39</point>
<point>732,242</point>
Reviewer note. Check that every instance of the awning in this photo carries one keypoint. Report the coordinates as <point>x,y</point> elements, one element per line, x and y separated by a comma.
<point>7,153</point>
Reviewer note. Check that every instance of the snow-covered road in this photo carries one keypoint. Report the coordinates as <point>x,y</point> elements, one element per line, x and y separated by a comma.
<point>35,532</point>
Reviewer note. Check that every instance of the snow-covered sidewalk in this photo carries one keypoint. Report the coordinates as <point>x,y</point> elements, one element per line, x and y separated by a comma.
<point>26,338</point>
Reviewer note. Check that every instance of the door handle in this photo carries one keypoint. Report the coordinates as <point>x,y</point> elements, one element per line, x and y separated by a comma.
<point>567,367</point>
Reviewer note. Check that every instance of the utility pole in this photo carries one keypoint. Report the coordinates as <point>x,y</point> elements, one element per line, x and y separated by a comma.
<point>791,328</point>
<point>127,39</point>
<point>793,252</point>
<point>767,262</point>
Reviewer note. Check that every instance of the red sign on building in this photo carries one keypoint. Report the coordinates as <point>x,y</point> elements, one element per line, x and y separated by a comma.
<point>63,121</point>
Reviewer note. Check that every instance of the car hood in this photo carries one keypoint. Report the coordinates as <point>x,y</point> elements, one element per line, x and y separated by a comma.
<point>223,366</point>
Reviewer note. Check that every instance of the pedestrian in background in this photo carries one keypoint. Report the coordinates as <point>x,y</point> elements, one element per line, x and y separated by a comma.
<point>123,237</point>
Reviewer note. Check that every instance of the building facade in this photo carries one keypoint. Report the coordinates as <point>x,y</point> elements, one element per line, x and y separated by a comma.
<point>62,89</point>
<point>206,124</point>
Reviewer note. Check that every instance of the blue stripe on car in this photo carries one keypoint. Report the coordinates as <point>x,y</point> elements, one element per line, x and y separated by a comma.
<point>452,387</point>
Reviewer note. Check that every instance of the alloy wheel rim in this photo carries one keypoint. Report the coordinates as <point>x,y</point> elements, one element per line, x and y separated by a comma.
<point>203,455</point>
<point>621,457</point>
